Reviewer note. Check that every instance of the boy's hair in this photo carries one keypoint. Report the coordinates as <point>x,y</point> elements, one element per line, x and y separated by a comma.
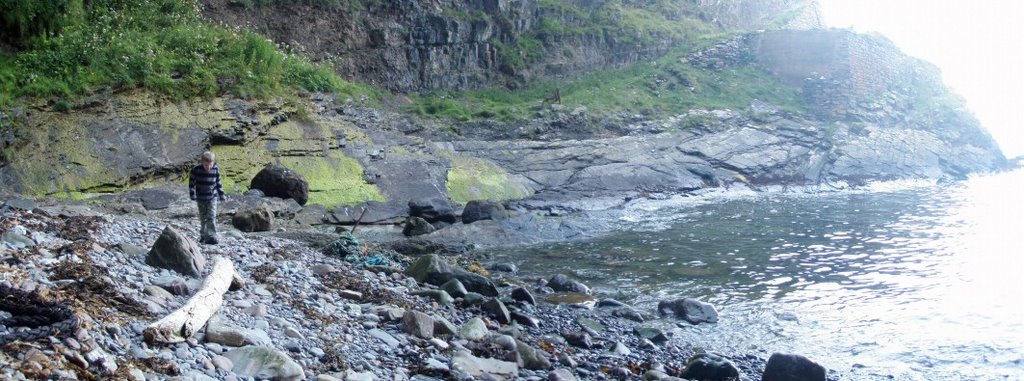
<point>208,157</point>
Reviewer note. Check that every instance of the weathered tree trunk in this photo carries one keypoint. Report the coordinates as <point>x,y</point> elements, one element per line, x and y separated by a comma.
<point>191,317</point>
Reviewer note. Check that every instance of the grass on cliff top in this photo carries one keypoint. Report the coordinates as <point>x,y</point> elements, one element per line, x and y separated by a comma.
<point>666,87</point>
<point>72,48</point>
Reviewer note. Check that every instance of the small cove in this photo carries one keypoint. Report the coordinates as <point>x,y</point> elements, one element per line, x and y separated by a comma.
<point>909,280</point>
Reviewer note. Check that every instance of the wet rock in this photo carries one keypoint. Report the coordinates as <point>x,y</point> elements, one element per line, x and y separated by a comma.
<point>629,314</point>
<point>481,368</point>
<point>706,366</point>
<point>415,226</point>
<point>434,270</point>
<point>521,294</point>
<point>610,303</point>
<point>524,319</point>
<point>503,268</point>
<point>477,210</point>
<point>792,367</point>
<point>173,251</point>
<point>418,324</point>
<point>562,283</point>
<point>278,181</point>
<point>574,299</point>
<point>691,310</point>
<point>258,219</point>
<point>432,210</point>
<point>653,334</point>
<point>496,309</point>
<point>264,363</point>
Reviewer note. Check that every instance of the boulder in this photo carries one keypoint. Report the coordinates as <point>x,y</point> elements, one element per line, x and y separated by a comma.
<point>418,324</point>
<point>417,226</point>
<point>524,319</point>
<point>482,368</point>
<point>531,358</point>
<point>561,374</point>
<point>454,288</point>
<point>653,334</point>
<point>628,313</point>
<point>578,339</point>
<point>258,219</point>
<point>261,362</point>
<point>433,270</point>
<point>278,181</point>
<point>174,285</point>
<point>432,209</point>
<point>710,367</point>
<point>562,283</point>
<point>496,309</point>
<point>521,294</point>
<point>790,367</point>
<point>478,210</point>
<point>174,251</point>
<point>220,332</point>
<point>473,330</point>
<point>691,310</point>
<point>442,297</point>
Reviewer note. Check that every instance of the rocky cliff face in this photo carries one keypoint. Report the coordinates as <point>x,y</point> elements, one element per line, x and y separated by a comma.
<point>445,44</point>
<point>857,79</point>
<point>872,114</point>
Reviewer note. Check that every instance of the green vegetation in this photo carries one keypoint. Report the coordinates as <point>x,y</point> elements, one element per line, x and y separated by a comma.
<point>667,86</point>
<point>160,45</point>
<point>477,179</point>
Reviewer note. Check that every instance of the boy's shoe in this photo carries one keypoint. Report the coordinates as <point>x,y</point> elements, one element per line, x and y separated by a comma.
<point>212,241</point>
<point>204,241</point>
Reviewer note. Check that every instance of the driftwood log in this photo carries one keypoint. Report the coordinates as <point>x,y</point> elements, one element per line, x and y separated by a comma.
<point>191,317</point>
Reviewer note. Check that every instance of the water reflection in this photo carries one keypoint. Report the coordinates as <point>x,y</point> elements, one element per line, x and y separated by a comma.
<point>919,283</point>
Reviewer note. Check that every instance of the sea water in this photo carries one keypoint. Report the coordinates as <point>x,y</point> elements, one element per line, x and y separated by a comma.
<point>900,280</point>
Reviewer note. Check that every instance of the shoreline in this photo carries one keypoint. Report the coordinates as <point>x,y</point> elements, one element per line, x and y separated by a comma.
<point>295,296</point>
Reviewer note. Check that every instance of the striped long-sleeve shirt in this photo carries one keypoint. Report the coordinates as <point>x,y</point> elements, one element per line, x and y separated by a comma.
<point>203,185</point>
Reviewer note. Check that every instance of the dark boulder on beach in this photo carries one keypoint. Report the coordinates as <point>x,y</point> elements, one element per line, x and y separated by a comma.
<point>278,181</point>
<point>562,283</point>
<point>791,367</point>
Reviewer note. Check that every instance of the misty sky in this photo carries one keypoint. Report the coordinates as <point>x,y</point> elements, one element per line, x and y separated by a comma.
<point>977,44</point>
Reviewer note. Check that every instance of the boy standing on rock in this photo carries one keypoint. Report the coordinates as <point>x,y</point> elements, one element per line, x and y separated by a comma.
<point>204,188</point>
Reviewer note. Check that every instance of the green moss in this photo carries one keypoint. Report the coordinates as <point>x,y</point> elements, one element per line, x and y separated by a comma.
<point>477,179</point>
<point>239,164</point>
<point>333,180</point>
<point>58,158</point>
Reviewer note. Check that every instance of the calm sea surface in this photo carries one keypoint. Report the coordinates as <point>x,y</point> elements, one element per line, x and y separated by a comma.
<point>909,280</point>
